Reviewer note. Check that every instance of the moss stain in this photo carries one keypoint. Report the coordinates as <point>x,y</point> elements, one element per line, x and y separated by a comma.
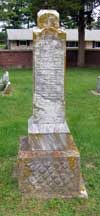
<point>72,162</point>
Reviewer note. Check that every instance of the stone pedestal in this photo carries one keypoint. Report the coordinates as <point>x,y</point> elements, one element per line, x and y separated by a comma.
<point>48,159</point>
<point>49,167</point>
<point>7,91</point>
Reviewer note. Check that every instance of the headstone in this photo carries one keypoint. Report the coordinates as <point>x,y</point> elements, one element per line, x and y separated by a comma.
<point>97,91</point>
<point>5,77</point>
<point>98,85</point>
<point>5,85</point>
<point>48,159</point>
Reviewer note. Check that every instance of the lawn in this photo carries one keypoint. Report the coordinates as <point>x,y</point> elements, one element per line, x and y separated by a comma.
<point>83,117</point>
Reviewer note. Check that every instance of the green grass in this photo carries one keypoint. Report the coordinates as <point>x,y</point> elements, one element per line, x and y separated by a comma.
<point>83,116</point>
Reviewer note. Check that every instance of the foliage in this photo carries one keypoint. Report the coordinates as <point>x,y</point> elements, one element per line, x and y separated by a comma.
<point>68,8</point>
<point>62,6</point>
<point>18,12</point>
<point>2,36</point>
<point>3,39</point>
<point>69,23</point>
<point>81,12</point>
<point>96,24</point>
<point>83,116</point>
<point>15,13</point>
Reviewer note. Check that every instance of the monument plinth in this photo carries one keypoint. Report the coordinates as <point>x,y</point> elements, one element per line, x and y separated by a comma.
<point>48,160</point>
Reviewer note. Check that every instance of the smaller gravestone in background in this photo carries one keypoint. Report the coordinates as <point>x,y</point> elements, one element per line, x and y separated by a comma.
<point>48,159</point>
<point>5,85</point>
<point>98,85</point>
<point>97,91</point>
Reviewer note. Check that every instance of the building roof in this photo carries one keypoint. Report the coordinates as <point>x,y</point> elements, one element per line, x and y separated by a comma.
<point>19,34</point>
<point>90,35</point>
<point>72,34</point>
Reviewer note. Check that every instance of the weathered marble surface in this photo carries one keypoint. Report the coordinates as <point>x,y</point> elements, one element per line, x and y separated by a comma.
<point>98,85</point>
<point>35,128</point>
<point>4,80</point>
<point>48,99</point>
<point>51,142</point>
<point>48,18</point>
<point>50,174</point>
<point>5,85</point>
<point>48,75</point>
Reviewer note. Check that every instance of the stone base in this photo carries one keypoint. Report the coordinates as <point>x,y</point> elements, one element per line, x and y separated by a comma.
<point>95,92</point>
<point>7,90</point>
<point>48,128</point>
<point>50,173</point>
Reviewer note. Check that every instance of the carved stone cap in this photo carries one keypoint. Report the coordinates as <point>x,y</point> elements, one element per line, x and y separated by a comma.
<point>48,18</point>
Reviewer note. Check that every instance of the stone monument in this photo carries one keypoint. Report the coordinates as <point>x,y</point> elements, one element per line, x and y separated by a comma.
<point>98,85</point>
<point>48,159</point>
<point>97,91</point>
<point>5,85</point>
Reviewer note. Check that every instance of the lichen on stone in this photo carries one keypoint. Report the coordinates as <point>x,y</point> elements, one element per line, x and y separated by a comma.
<point>48,19</point>
<point>72,162</point>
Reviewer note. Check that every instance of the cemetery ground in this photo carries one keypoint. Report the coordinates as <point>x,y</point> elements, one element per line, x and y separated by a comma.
<point>83,117</point>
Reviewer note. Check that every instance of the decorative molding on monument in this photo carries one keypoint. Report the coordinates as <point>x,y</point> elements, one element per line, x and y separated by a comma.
<point>48,18</point>
<point>47,128</point>
<point>48,23</point>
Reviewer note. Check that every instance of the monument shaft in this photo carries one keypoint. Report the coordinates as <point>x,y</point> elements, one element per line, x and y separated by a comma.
<point>48,99</point>
<point>49,54</point>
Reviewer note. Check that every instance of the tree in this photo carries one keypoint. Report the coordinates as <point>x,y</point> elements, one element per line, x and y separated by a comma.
<point>2,36</point>
<point>85,19</point>
<point>69,23</point>
<point>10,13</point>
<point>81,13</point>
<point>96,24</point>
<point>15,13</point>
<point>18,12</point>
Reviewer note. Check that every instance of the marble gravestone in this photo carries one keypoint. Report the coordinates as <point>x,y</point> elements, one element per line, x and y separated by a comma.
<point>97,91</point>
<point>5,85</point>
<point>48,159</point>
<point>98,85</point>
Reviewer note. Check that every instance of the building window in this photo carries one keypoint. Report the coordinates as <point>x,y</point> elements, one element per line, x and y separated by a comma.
<point>72,43</point>
<point>28,43</point>
<point>23,43</point>
<point>17,43</point>
<point>96,44</point>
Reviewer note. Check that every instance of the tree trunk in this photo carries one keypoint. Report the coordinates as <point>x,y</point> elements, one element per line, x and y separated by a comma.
<point>28,24</point>
<point>81,39</point>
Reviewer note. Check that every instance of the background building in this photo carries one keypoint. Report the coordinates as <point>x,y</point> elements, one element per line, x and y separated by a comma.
<point>23,39</point>
<point>19,39</point>
<point>92,38</point>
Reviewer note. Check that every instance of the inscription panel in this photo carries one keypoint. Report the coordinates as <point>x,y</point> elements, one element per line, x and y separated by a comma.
<point>49,81</point>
